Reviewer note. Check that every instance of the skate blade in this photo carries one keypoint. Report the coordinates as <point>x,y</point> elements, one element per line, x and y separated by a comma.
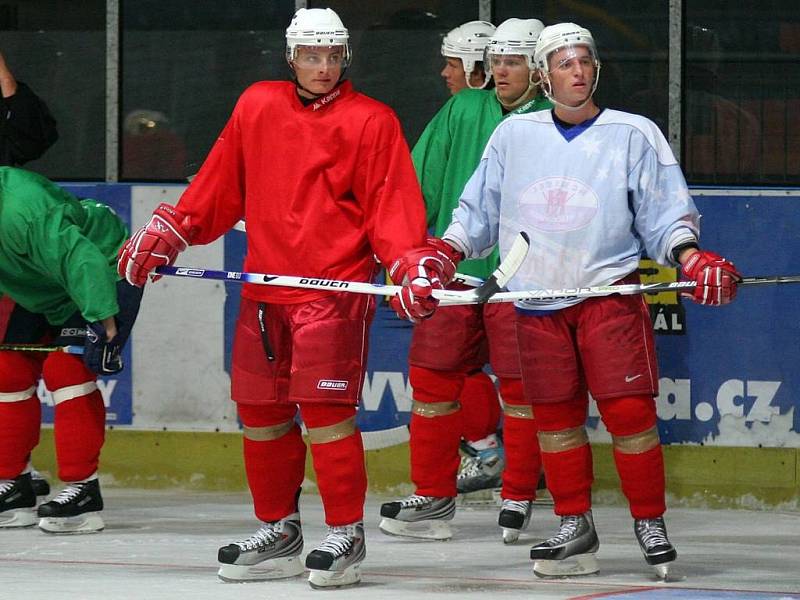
<point>276,568</point>
<point>86,523</point>
<point>319,579</point>
<point>510,536</point>
<point>18,517</point>
<point>662,571</point>
<point>422,530</point>
<point>486,497</point>
<point>580,564</point>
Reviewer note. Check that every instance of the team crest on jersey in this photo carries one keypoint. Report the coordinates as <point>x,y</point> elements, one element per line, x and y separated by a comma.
<point>558,204</point>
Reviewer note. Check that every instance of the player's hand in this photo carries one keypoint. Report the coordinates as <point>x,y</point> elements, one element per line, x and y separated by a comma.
<point>436,260</point>
<point>415,300</point>
<point>158,243</point>
<point>102,350</point>
<point>716,278</point>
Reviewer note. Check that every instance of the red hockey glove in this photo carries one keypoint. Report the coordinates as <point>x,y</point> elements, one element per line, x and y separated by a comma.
<point>157,243</point>
<point>716,278</point>
<point>421,271</point>
<point>436,258</point>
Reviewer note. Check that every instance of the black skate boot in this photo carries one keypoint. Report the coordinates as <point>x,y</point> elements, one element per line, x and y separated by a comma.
<point>656,547</point>
<point>74,510</point>
<point>40,485</point>
<point>336,562</point>
<point>17,502</point>
<point>416,516</point>
<point>272,552</point>
<point>569,552</point>
<point>514,517</point>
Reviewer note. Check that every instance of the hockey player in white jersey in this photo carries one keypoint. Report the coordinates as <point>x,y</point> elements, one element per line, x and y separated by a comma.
<point>609,190</point>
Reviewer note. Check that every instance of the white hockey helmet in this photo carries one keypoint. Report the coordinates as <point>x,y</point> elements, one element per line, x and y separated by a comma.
<point>560,36</point>
<point>317,27</point>
<point>467,42</point>
<point>515,36</point>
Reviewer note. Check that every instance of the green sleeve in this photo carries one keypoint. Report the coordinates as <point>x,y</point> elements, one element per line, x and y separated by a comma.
<point>58,247</point>
<point>430,155</point>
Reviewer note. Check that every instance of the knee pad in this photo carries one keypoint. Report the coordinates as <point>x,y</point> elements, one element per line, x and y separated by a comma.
<point>18,376</point>
<point>557,416</point>
<point>329,423</point>
<point>66,377</point>
<point>435,386</point>
<point>628,415</point>
<point>511,391</point>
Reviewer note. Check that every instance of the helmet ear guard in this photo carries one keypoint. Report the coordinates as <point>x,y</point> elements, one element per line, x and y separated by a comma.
<point>317,27</point>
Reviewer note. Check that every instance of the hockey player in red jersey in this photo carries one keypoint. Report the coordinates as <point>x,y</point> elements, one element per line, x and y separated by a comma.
<point>323,178</point>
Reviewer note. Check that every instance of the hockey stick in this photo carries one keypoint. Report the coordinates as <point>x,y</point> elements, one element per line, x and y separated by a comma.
<point>608,290</point>
<point>41,348</point>
<point>498,279</point>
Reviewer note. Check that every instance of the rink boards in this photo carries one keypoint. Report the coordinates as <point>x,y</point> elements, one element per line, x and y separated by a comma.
<point>728,376</point>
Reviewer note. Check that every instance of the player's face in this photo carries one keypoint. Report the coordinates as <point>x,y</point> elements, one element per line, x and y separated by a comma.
<point>572,73</point>
<point>511,76</point>
<point>454,77</point>
<point>318,68</point>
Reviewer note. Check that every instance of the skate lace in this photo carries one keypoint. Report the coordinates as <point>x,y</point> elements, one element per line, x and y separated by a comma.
<point>569,527</point>
<point>415,500</point>
<point>261,538</point>
<point>470,467</point>
<point>5,486</point>
<point>70,492</point>
<point>520,506</point>
<point>652,533</point>
<point>338,541</point>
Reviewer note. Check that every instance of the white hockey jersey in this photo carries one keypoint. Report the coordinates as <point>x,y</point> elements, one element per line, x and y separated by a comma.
<point>592,198</point>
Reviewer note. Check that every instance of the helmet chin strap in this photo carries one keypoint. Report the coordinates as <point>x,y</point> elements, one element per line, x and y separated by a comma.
<point>526,95</point>
<point>547,88</point>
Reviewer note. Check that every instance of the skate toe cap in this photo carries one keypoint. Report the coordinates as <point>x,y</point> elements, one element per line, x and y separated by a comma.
<point>229,554</point>
<point>319,560</point>
<point>390,509</point>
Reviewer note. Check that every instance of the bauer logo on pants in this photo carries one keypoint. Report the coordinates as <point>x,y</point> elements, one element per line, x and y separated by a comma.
<point>331,384</point>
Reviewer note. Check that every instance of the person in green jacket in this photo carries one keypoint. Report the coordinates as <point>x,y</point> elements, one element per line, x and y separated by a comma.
<point>457,341</point>
<point>59,286</point>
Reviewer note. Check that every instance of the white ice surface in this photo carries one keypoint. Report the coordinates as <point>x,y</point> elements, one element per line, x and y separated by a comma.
<point>162,545</point>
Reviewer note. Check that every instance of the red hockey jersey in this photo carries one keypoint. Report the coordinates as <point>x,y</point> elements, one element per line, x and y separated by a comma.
<point>321,187</point>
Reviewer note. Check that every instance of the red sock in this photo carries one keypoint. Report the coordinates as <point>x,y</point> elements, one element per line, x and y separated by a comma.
<point>523,459</point>
<point>339,465</point>
<point>435,440</point>
<point>275,468</point>
<point>19,434</point>
<point>643,483</point>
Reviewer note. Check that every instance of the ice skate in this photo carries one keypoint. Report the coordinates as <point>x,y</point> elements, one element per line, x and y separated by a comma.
<point>41,487</point>
<point>480,469</point>
<point>272,552</point>
<point>656,547</point>
<point>570,552</point>
<point>514,517</point>
<point>423,517</point>
<point>336,562</point>
<point>76,509</point>
<point>17,502</point>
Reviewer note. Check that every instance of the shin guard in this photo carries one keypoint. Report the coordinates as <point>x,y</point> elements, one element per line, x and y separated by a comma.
<point>631,420</point>
<point>80,415</point>
<point>338,454</point>
<point>435,431</point>
<point>274,458</point>
<point>523,459</point>
<point>566,455</point>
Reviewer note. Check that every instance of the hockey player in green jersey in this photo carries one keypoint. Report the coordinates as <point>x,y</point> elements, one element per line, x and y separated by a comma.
<point>455,343</point>
<point>59,285</point>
